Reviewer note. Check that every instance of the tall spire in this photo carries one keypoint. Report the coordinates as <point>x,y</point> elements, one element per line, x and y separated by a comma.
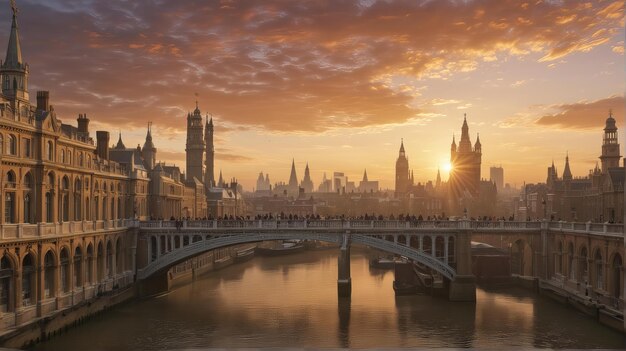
<point>14,71</point>
<point>293,179</point>
<point>14,50</point>
<point>402,147</point>
<point>365,175</point>
<point>567,173</point>
<point>120,144</point>
<point>465,145</point>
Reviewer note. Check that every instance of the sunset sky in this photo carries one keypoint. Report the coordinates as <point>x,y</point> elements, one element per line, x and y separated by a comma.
<point>336,83</point>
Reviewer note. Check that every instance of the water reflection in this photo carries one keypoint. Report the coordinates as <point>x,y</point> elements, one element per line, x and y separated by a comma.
<point>291,301</point>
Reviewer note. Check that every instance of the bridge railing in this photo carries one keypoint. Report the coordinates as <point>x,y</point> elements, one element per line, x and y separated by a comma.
<point>592,228</point>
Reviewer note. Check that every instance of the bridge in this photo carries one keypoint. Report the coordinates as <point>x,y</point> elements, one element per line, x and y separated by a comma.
<point>443,246</point>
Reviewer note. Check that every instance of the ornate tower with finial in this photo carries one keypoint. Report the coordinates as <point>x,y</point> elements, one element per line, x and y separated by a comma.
<point>567,173</point>
<point>466,160</point>
<point>195,145</point>
<point>307,183</point>
<point>13,70</point>
<point>402,172</point>
<point>149,151</point>
<point>209,176</point>
<point>610,145</point>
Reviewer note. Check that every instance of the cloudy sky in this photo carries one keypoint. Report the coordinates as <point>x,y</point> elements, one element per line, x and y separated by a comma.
<point>337,83</point>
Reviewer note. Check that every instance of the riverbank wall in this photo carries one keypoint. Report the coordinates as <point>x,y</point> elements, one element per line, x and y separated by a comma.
<point>43,328</point>
<point>606,314</point>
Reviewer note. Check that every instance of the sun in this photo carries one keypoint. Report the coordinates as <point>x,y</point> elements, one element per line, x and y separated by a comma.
<point>447,166</point>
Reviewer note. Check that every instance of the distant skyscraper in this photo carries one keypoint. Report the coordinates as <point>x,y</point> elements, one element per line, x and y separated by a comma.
<point>402,172</point>
<point>496,175</point>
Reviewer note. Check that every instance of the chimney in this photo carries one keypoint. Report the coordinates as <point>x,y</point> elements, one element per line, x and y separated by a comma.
<point>43,101</point>
<point>83,124</point>
<point>102,147</point>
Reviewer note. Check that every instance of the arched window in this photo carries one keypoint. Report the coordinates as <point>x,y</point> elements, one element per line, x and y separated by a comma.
<point>12,147</point>
<point>65,183</point>
<point>11,180</point>
<point>119,257</point>
<point>9,207</point>
<point>90,264</point>
<point>62,156</point>
<point>583,265</point>
<point>77,203</point>
<point>48,262</point>
<point>571,262</point>
<point>51,180</point>
<point>100,263</point>
<point>6,284</point>
<point>49,208</point>
<point>28,280</point>
<point>109,263</point>
<point>78,268</point>
<point>616,267</point>
<point>27,209</point>
<point>50,151</point>
<point>69,157</point>
<point>597,259</point>
<point>64,266</point>
<point>28,181</point>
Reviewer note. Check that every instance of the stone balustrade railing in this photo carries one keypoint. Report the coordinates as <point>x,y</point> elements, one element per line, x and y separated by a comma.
<point>592,228</point>
<point>42,230</point>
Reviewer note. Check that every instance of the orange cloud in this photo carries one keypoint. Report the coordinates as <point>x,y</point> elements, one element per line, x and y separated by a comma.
<point>284,66</point>
<point>584,115</point>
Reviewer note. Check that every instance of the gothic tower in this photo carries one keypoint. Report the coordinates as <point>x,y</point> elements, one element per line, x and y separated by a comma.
<point>149,151</point>
<point>307,183</point>
<point>402,172</point>
<point>13,70</point>
<point>209,177</point>
<point>293,179</point>
<point>610,146</point>
<point>195,145</point>
<point>464,176</point>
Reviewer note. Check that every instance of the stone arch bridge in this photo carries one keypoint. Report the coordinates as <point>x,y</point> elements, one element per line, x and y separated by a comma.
<point>443,246</point>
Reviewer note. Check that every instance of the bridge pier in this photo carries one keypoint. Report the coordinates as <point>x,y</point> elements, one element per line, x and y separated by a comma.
<point>344,281</point>
<point>463,287</point>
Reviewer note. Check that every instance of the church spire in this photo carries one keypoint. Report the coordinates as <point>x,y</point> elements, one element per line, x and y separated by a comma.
<point>120,144</point>
<point>293,179</point>
<point>14,71</point>
<point>365,175</point>
<point>14,50</point>
<point>567,173</point>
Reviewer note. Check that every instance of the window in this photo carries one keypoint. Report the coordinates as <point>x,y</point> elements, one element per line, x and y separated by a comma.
<point>27,209</point>
<point>9,208</point>
<point>50,151</point>
<point>1,144</point>
<point>10,183</point>
<point>62,156</point>
<point>69,157</point>
<point>12,147</point>
<point>27,148</point>
<point>80,159</point>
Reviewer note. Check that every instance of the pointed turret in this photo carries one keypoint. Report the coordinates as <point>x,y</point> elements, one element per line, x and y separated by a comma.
<point>453,145</point>
<point>402,153</point>
<point>209,163</point>
<point>220,181</point>
<point>365,175</point>
<point>438,181</point>
<point>149,151</point>
<point>477,145</point>
<point>120,144</point>
<point>567,173</point>
<point>465,145</point>
<point>293,179</point>
<point>610,156</point>
<point>14,71</point>
<point>307,183</point>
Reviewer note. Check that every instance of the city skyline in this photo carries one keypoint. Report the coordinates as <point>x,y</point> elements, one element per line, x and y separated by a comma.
<point>286,81</point>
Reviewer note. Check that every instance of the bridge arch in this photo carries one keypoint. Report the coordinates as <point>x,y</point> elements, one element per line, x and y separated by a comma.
<point>165,261</point>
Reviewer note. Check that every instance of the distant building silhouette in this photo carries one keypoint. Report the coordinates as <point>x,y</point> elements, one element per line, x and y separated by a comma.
<point>402,173</point>
<point>496,175</point>
<point>464,180</point>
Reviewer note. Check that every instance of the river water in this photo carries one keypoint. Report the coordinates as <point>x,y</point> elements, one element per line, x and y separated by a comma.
<point>291,301</point>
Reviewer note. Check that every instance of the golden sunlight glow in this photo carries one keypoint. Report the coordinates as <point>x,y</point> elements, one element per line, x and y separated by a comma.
<point>447,167</point>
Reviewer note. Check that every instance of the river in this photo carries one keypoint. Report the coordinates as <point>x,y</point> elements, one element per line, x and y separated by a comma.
<point>291,301</point>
